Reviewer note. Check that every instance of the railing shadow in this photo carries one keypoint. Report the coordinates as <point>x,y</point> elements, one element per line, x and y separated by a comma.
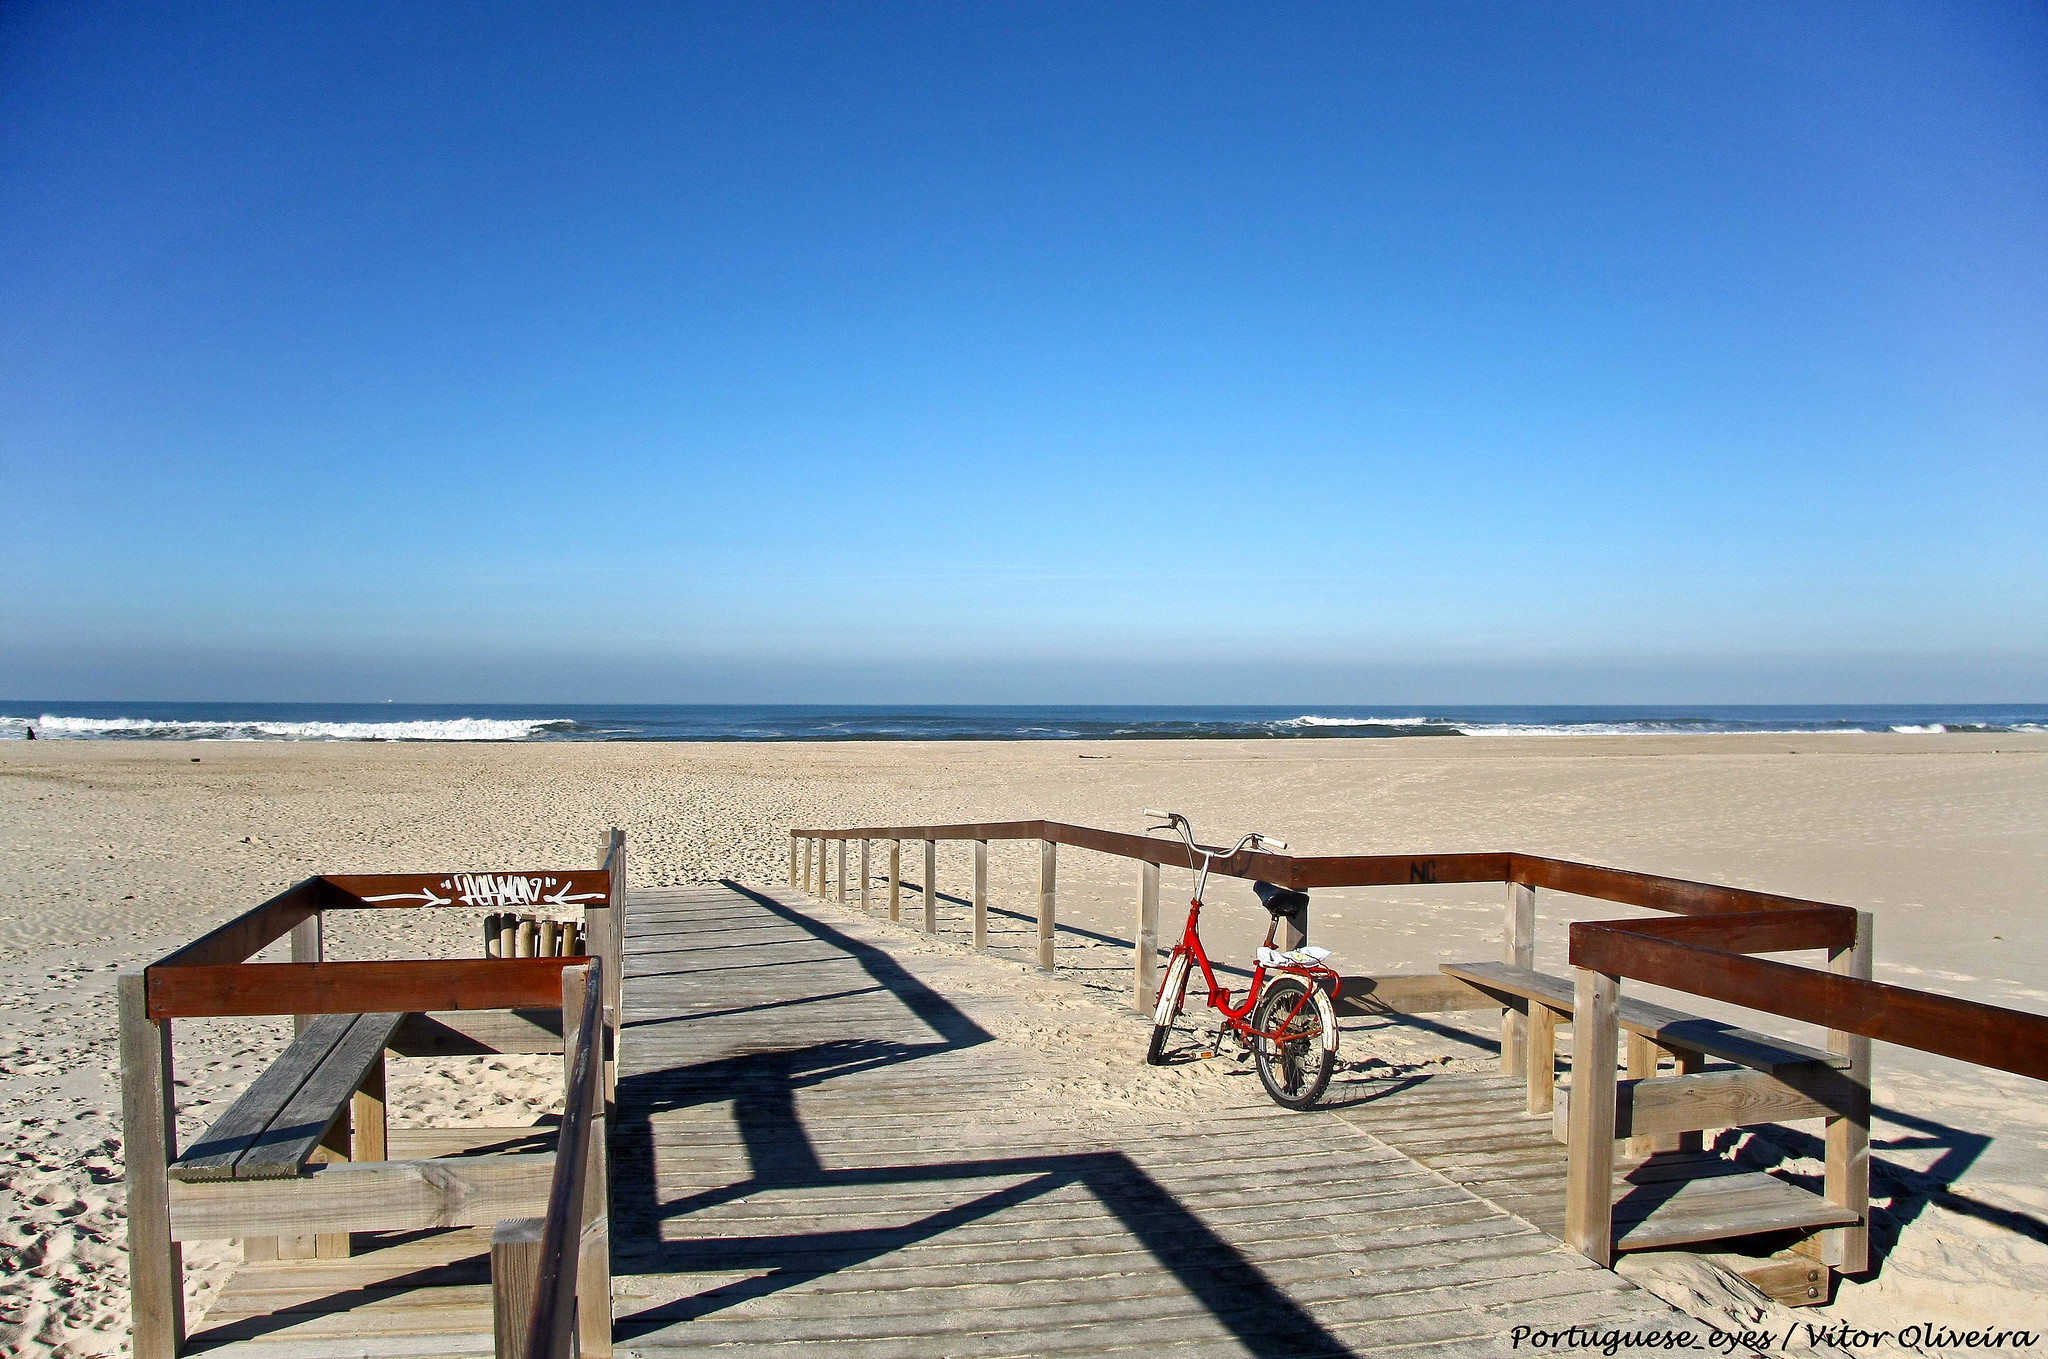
<point>762,1088</point>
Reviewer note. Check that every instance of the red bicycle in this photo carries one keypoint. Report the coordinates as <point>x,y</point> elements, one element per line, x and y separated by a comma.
<point>1288,1016</point>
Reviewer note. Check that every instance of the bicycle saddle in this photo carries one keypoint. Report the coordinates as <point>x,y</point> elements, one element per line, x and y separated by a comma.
<point>1280,900</point>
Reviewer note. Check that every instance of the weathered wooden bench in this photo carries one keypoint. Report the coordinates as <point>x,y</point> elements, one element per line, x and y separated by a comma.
<point>321,1101</point>
<point>1670,1192</point>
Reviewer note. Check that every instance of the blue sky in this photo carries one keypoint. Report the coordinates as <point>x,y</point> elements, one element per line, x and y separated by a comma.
<point>1035,352</point>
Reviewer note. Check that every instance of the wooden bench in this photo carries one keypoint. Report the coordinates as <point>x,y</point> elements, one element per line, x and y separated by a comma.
<point>321,1101</point>
<point>1670,1192</point>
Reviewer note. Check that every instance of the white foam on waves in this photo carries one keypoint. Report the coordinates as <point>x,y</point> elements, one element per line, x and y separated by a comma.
<point>1311,720</point>
<point>114,728</point>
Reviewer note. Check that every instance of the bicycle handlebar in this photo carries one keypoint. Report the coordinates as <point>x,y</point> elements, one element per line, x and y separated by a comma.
<point>1177,822</point>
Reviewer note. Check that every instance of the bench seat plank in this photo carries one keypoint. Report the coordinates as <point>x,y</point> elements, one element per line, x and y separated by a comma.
<point>1664,1026</point>
<point>213,1156</point>
<point>281,1150</point>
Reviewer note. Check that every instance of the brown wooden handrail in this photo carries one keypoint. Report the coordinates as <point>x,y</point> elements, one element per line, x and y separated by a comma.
<point>1704,952</point>
<point>551,1329</point>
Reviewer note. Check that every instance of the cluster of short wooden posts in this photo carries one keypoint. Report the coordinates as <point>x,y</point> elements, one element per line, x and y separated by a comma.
<point>526,936</point>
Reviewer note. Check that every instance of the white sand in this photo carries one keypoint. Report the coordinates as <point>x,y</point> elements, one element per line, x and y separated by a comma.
<point>118,852</point>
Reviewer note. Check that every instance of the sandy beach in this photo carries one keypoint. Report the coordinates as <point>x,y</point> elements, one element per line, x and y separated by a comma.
<point>118,851</point>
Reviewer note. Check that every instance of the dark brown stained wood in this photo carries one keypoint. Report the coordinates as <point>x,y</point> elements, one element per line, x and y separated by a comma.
<point>1672,1028</point>
<point>283,1148</point>
<point>1989,1035</point>
<point>349,988</point>
<point>1649,890</point>
<point>1394,870</point>
<point>250,932</point>
<point>484,889</point>
<point>213,1156</point>
<point>1759,931</point>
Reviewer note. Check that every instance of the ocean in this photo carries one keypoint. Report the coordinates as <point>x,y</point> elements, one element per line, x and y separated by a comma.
<point>935,722</point>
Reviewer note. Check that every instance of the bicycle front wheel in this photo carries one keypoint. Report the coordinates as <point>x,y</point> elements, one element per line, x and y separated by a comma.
<point>1295,1041</point>
<point>1171,994</point>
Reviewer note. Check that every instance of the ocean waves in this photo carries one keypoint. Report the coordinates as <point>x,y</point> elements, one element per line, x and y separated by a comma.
<point>388,722</point>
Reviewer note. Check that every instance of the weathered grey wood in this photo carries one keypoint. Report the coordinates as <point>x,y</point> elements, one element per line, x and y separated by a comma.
<point>1673,1029</point>
<point>866,875</point>
<point>515,1262</point>
<point>156,1266</point>
<point>1682,1211</point>
<point>309,945</point>
<point>470,1033</point>
<point>1145,966</point>
<point>1640,1059</point>
<point>1418,993</point>
<point>1048,871</point>
<point>931,886</point>
<point>1518,949</point>
<point>895,879</point>
<point>1540,1064</point>
<point>1662,1106</point>
<point>593,1260</point>
<point>365,1196</point>
<point>214,1154</point>
<point>302,1122</point>
<point>1589,1227</point>
<point>792,860</point>
<point>842,871</point>
<point>1847,1136</point>
<point>980,926</point>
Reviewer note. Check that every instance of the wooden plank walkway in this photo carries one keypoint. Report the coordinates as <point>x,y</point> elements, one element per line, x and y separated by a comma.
<point>831,1131</point>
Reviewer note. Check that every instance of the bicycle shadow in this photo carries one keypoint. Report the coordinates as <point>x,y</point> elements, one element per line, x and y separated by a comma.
<point>762,1087</point>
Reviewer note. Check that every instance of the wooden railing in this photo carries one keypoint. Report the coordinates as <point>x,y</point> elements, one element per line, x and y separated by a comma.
<point>450,1007</point>
<point>550,1276</point>
<point>1705,953</point>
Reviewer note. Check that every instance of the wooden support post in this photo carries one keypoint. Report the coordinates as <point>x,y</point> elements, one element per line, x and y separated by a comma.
<point>1048,869</point>
<point>492,924</point>
<point>370,1118</point>
<point>1690,1063</point>
<point>805,885</point>
<point>593,1258</point>
<point>1294,929</point>
<point>1518,949</point>
<point>610,947</point>
<point>895,879</point>
<point>792,859</point>
<point>1541,1059</point>
<point>818,881</point>
<point>1589,1180</point>
<point>309,945</point>
<point>931,886</point>
<point>842,873</point>
<point>980,894</point>
<point>523,940</point>
<point>515,1268</point>
<point>1642,1066</point>
<point>866,877</point>
<point>149,1140</point>
<point>1846,1178</point>
<point>1145,966</point>
<point>550,945</point>
<point>334,1148</point>
<point>508,934</point>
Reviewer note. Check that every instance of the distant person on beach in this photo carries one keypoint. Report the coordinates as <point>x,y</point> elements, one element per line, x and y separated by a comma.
<point>31,732</point>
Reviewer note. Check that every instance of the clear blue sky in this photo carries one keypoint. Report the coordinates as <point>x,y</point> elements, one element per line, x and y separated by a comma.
<point>1011,352</point>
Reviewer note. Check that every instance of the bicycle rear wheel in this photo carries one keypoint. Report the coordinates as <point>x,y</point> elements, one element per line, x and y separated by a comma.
<point>1171,993</point>
<point>1296,1061</point>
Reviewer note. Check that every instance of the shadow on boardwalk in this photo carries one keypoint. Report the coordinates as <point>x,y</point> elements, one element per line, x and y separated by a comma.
<point>762,1087</point>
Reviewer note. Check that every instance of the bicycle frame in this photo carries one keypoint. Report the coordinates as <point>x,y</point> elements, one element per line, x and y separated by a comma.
<point>1237,1017</point>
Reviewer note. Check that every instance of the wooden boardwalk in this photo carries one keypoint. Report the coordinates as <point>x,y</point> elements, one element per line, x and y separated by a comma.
<point>829,1132</point>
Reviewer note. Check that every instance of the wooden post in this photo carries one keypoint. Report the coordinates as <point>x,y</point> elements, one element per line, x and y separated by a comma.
<point>1642,1064</point>
<point>842,873</point>
<point>1589,1180</point>
<point>522,942</point>
<point>805,886</point>
<point>1518,949</point>
<point>792,858</point>
<point>492,924</point>
<point>1144,970</point>
<point>1048,868</point>
<point>508,934</point>
<point>515,1268</point>
<point>593,1256</point>
<point>866,877</point>
<point>1846,1178</point>
<point>610,947</point>
<point>550,943</point>
<point>1294,929</point>
<point>818,882</point>
<point>980,894</point>
<point>931,886</point>
<point>149,1140</point>
<point>895,879</point>
<point>1541,1060</point>
<point>309,945</point>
